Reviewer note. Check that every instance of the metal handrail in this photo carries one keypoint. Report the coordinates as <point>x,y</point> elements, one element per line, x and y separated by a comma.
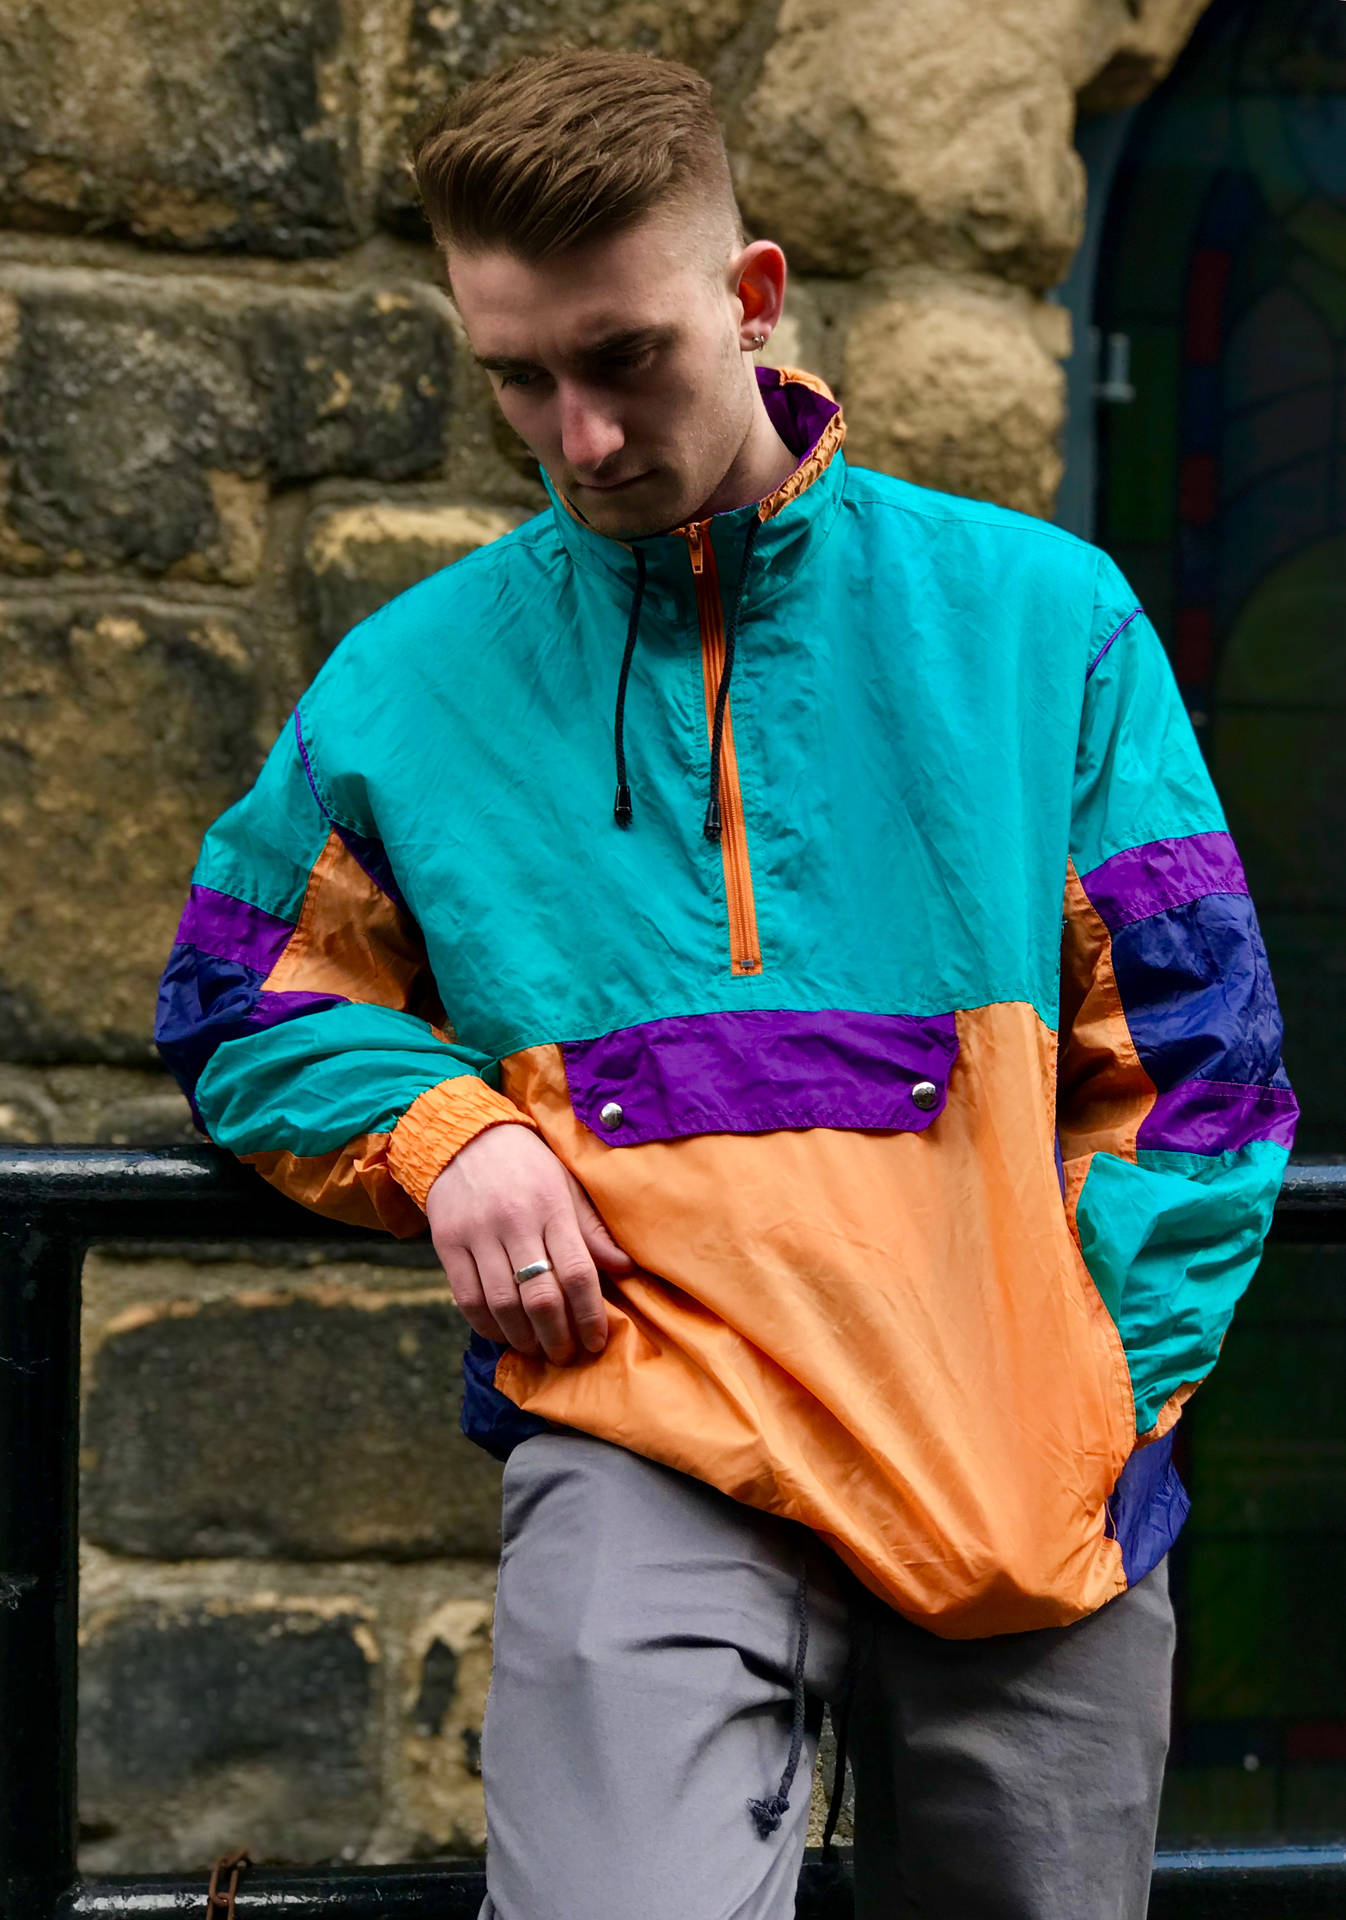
<point>55,1202</point>
<point>202,1193</point>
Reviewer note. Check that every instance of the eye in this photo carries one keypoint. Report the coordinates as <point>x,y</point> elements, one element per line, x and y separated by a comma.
<point>631,362</point>
<point>515,379</point>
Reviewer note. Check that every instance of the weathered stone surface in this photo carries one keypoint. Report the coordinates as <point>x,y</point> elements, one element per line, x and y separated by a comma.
<point>130,434</point>
<point>141,423</point>
<point>354,384</point>
<point>873,135</point>
<point>122,734</point>
<point>449,1672</point>
<point>134,120</point>
<point>321,1425</point>
<point>450,45</point>
<point>100,1106</point>
<point>391,1611</point>
<point>122,1279</point>
<point>29,1117</point>
<point>1129,45</point>
<point>953,387</point>
<point>204,1725</point>
<point>147,1120</point>
<point>357,558</point>
<point>939,130</point>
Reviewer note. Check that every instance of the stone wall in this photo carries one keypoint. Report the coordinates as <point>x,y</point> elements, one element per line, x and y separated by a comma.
<point>235,416</point>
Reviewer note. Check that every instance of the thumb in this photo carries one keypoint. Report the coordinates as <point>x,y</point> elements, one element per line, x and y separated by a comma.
<point>602,1246</point>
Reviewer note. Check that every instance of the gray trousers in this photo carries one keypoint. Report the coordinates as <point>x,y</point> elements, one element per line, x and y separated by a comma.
<point>643,1690</point>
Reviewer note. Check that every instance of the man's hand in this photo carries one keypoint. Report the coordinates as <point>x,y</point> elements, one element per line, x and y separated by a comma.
<point>503,1201</point>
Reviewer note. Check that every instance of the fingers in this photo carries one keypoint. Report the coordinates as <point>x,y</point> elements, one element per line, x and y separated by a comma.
<point>538,1312</point>
<point>505,1298</point>
<point>465,1284</point>
<point>600,1243</point>
<point>503,1202</point>
<point>577,1279</point>
<point>545,1306</point>
<point>497,1307</point>
<point>564,1306</point>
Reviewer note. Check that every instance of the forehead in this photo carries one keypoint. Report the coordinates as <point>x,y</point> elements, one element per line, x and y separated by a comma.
<point>646,276</point>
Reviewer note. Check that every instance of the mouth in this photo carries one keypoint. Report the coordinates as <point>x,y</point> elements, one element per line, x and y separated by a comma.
<point>612,486</point>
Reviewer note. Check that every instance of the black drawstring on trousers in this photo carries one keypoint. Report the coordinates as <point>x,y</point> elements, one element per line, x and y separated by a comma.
<point>768,1814</point>
<point>621,811</point>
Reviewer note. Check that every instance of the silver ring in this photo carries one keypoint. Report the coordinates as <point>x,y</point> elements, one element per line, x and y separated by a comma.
<point>531,1271</point>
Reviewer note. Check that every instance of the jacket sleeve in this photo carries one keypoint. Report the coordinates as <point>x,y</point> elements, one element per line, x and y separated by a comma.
<point>298,1013</point>
<point>1175,1116</point>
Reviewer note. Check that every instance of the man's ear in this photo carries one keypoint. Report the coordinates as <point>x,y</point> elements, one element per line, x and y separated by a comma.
<point>757,276</point>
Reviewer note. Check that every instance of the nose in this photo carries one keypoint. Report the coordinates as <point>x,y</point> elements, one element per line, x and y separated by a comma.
<point>590,433</point>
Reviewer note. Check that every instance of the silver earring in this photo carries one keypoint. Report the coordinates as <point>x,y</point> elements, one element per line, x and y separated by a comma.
<point>758,340</point>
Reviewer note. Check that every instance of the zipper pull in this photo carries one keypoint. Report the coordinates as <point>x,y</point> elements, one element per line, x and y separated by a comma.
<point>694,547</point>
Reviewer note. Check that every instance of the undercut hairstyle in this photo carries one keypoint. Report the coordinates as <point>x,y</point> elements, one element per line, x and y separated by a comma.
<point>571,146</point>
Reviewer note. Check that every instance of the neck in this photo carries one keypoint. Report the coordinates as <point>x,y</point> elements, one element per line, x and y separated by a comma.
<point>757,469</point>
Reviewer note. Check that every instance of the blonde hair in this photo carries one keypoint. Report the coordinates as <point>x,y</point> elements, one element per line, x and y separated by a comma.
<point>570,146</point>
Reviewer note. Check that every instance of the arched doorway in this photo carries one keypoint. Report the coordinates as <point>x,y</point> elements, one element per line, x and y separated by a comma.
<point>1222,494</point>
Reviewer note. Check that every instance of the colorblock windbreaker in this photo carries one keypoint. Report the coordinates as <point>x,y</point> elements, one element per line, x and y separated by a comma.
<point>906,1017</point>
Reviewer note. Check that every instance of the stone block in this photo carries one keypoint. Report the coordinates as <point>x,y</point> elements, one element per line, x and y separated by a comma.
<point>122,734</point>
<point>1129,46</point>
<point>133,1278</point>
<point>131,435</point>
<point>449,1672</point>
<point>29,1117</point>
<point>353,384</point>
<point>210,1724</point>
<point>144,422</point>
<point>316,1424</point>
<point>936,131</point>
<point>239,131</point>
<point>356,558</point>
<point>448,46</point>
<point>953,388</point>
<point>98,1106</point>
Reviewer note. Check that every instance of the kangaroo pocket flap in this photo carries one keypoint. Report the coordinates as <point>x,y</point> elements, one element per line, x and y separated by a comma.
<point>753,1070</point>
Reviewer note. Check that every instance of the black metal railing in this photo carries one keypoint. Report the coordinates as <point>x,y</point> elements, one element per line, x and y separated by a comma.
<point>55,1203</point>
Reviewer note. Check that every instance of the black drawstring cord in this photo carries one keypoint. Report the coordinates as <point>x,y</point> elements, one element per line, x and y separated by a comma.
<point>621,809</point>
<point>711,824</point>
<point>768,1814</point>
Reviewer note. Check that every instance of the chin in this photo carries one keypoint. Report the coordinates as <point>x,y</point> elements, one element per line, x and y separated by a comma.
<point>638,529</point>
<point>626,517</point>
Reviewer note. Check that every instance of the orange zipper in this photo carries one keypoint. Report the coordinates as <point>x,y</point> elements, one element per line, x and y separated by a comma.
<point>744,952</point>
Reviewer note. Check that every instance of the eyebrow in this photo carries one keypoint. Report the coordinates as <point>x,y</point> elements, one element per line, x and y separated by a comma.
<point>610,343</point>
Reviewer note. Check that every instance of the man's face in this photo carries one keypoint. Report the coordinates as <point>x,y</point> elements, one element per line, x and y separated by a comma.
<point>618,363</point>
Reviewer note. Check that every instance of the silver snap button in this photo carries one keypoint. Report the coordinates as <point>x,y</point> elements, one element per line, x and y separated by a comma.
<point>926,1094</point>
<point>610,1114</point>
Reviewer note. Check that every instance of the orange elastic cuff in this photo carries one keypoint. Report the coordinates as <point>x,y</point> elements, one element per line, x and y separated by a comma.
<point>439,1124</point>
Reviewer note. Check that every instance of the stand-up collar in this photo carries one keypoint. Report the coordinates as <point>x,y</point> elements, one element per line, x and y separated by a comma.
<point>758,547</point>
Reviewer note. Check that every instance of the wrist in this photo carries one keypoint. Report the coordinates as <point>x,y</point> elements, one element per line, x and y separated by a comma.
<point>439,1124</point>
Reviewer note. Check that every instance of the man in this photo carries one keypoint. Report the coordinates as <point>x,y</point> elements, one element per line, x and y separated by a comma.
<point>847,1148</point>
